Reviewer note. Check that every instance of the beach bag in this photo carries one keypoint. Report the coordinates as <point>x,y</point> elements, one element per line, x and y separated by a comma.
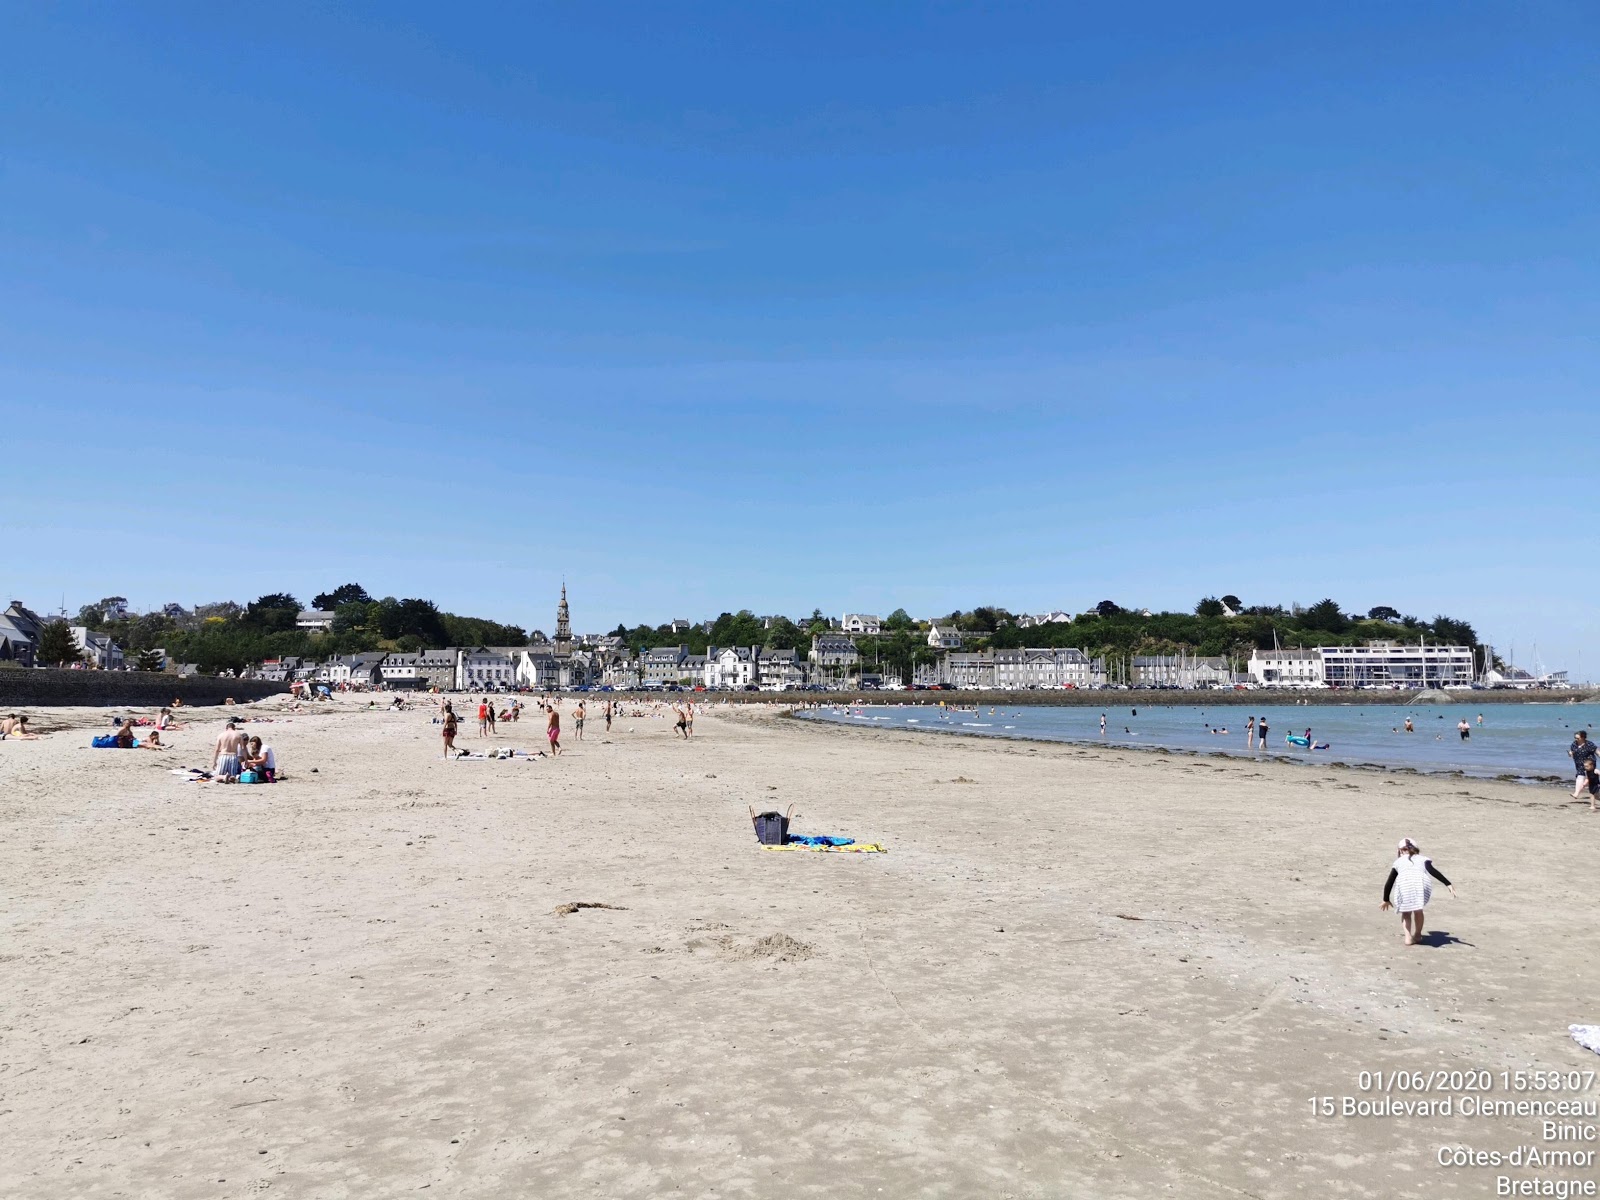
<point>772,828</point>
<point>250,777</point>
<point>108,742</point>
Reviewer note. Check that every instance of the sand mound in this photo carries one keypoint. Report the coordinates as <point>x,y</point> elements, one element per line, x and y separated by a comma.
<point>777,946</point>
<point>572,906</point>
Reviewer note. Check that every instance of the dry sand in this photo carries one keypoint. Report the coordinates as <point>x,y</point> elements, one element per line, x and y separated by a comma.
<point>356,983</point>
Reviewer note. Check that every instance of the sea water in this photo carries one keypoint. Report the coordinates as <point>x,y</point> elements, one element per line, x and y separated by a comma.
<point>1525,741</point>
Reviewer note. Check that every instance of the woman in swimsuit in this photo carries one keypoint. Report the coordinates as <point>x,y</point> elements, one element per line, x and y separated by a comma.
<point>449,729</point>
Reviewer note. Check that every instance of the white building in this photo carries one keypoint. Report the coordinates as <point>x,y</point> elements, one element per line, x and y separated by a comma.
<point>664,664</point>
<point>944,637</point>
<point>485,669</point>
<point>402,671</point>
<point>1398,664</point>
<point>619,668</point>
<point>1287,668</point>
<point>780,670</point>
<point>315,619</point>
<point>1043,668</point>
<point>1180,671</point>
<point>98,650</point>
<point>860,623</point>
<point>538,669</point>
<point>731,667</point>
<point>1053,617</point>
<point>833,655</point>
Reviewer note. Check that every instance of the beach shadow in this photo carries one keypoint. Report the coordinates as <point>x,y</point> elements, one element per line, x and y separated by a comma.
<point>1441,937</point>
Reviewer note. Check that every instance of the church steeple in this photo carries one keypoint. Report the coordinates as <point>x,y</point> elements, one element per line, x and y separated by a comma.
<point>563,638</point>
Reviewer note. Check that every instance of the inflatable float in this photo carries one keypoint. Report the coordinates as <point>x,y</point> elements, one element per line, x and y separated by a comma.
<point>1294,739</point>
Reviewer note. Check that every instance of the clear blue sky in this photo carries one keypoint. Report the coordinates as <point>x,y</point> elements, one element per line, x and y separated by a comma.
<point>859,306</point>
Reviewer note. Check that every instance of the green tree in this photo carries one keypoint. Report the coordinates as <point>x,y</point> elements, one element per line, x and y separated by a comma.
<point>275,611</point>
<point>1108,608</point>
<point>345,593</point>
<point>1210,606</point>
<point>149,660</point>
<point>56,645</point>
<point>1234,603</point>
<point>1325,616</point>
<point>784,635</point>
<point>1382,612</point>
<point>1457,633</point>
<point>897,620</point>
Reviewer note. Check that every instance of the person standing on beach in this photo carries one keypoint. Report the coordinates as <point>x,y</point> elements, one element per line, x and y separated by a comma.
<point>1261,732</point>
<point>683,722</point>
<point>1250,734</point>
<point>608,716</point>
<point>450,727</point>
<point>1411,872</point>
<point>553,730</point>
<point>483,717</point>
<point>1582,753</point>
<point>1463,729</point>
<point>492,707</point>
<point>577,720</point>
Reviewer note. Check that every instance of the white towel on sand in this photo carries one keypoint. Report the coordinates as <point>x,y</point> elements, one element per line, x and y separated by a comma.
<point>1587,1036</point>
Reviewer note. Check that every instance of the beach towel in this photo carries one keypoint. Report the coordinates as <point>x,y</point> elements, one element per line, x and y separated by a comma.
<point>1587,1036</point>
<point>807,839</point>
<point>848,848</point>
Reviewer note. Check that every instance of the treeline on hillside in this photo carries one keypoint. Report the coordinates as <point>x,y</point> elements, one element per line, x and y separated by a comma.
<point>228,636</point>
<point>1109,630</point>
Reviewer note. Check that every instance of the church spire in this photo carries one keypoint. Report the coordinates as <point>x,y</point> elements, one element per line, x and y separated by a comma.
<point>563,638</point>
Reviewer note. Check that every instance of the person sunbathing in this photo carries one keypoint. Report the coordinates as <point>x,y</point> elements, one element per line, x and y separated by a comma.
<point>16,728</point>
<point>124,736</point>
<point>153,742</point>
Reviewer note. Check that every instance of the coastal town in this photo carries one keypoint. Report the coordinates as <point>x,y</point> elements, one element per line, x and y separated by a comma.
<point>838,653</point>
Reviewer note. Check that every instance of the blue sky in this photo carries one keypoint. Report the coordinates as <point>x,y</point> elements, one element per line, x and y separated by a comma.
<point>854,306</point>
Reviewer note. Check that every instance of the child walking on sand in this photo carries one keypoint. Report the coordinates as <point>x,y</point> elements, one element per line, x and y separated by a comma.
<point>1409,885</point>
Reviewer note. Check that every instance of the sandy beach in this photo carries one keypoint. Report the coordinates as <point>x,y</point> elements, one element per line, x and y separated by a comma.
<point>1076,972</point>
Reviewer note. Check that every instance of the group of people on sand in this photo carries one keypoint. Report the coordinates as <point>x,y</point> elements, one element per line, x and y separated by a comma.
<point>236,758</point>
<point>450,721</point>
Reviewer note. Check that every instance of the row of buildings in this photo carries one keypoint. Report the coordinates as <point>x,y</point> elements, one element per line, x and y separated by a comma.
<point>1382,664</point>
<point>21,630</point>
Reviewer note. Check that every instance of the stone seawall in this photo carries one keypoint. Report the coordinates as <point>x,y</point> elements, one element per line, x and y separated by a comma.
<point>62,689</point>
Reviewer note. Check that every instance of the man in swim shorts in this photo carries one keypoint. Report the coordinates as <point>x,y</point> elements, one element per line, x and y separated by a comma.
<point>553,730</point>
<point>225,754</point>
<point>577,720</point>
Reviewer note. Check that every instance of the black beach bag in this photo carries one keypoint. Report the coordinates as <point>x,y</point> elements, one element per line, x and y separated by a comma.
<point>772,828</point>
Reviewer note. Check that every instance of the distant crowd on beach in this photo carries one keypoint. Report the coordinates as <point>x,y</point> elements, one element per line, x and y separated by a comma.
<point>491,716</point>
